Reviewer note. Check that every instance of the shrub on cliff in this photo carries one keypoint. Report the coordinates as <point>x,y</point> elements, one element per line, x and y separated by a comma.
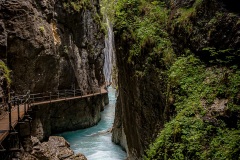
<point>4,73</point>
<point>207,124</point>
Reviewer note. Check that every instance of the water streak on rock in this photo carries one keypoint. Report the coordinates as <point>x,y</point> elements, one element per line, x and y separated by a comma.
<point>109,53</point>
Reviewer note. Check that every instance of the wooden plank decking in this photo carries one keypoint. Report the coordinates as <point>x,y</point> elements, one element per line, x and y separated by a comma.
<point>4,122</point>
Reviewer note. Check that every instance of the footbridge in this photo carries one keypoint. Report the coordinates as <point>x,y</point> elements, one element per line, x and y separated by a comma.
<point>20,105</point>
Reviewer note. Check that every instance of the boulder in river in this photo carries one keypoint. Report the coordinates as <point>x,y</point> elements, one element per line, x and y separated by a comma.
<point>56,148</point>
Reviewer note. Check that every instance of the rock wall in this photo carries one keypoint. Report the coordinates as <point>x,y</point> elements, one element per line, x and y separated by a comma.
<point>118,133</point>
<point>146,101</point>
<point>140,108</point>
<point>56,148</point>
<point>51,45</point>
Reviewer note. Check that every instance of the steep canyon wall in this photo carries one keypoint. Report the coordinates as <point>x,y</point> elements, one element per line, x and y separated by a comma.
<point>178,65</point>
<point>52,45</point>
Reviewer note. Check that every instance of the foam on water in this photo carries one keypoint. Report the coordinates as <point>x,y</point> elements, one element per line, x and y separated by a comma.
<point>95,142</point>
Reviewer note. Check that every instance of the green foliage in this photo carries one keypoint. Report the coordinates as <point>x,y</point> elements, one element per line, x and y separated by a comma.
<point>42,29</point>
<point>76,5</point>
<point>108,8</point>
<point>143,24</point>
<point>65,49</point>
<point>195,130</point>
<point>5,72</point>
<point>189,135</point>
<point>221,57</point>
<point>184,17</point>
<point>186,13</point>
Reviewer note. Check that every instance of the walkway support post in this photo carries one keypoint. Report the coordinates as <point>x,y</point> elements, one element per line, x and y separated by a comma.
<point>27,106</point>
<point>10,115</point>
<point>19,130</point>
<point>25,111</point>
<point>18,110</point>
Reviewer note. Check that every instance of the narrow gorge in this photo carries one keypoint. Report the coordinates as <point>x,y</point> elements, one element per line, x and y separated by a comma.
<point>171,68</point>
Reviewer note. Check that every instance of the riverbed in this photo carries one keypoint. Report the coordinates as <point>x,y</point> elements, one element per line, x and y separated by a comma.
<point>95,142</point>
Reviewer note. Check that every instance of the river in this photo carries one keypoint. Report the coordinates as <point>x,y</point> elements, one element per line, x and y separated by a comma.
<point>95,142</point>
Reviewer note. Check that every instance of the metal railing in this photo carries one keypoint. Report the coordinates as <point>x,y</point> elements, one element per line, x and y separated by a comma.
<point>49,96</point>
<point>31,98</point>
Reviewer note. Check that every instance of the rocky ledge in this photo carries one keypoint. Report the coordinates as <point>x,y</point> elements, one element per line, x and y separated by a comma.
<point>56,148</point>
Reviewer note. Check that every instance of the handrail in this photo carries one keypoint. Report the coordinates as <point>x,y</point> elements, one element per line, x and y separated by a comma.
<point>48,96</point>
<point>29,98</point>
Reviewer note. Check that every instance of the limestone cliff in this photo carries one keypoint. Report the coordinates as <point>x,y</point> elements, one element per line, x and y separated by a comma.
<point>178,79</point>
<point>51,45</point>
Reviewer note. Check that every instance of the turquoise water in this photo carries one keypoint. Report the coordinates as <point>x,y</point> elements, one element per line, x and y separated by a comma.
<point>95,142</point>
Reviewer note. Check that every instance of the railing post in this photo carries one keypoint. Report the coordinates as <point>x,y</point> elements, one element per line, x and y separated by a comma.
<point>25,108</point>
<point>33,98</point>
<point>18,110</point>
<point>58,94</point>
<point>65,94</point>
<point>29,96</point>
<point>74,92</point>
<point>50,96</point>
<point>10,115</point>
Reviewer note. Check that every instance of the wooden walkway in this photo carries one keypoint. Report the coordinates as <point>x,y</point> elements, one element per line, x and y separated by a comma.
<point>19,111</point>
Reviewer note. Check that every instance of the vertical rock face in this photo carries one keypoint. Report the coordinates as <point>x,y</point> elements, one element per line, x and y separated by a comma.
<point>139,110</point>
<point>51,45</point>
